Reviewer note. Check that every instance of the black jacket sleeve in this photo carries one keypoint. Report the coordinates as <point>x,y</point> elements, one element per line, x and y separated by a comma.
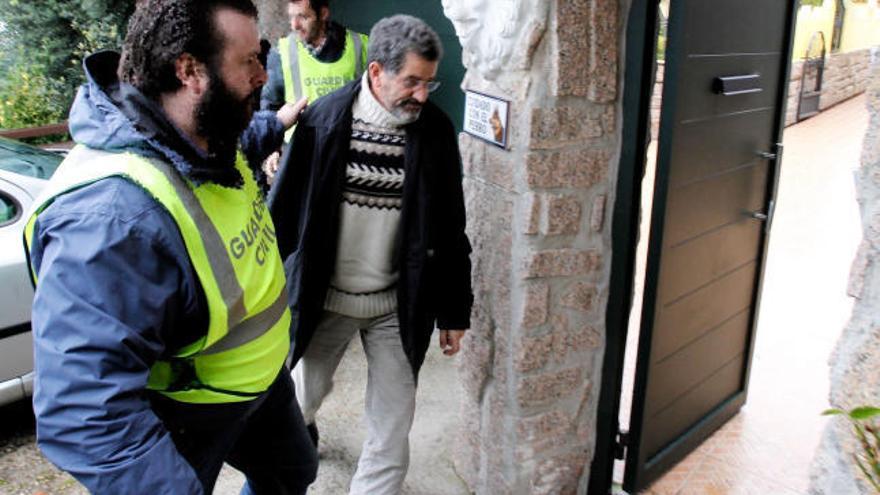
<point>287,197</point>
<point>453,256</point>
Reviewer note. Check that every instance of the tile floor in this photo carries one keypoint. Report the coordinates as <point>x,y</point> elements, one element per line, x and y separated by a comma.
<point>767,448</point>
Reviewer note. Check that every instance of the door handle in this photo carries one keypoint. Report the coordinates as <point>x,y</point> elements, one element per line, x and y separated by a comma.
<point>771,155</point>
<point>767,217</point>
<point>737,85</point>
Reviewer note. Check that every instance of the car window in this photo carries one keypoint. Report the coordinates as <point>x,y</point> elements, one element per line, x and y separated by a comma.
<point>27,160</point>
<point>9,210</point>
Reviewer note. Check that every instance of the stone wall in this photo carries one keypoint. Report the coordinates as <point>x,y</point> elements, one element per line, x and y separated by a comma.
<point>855,364</point>
<point>846,75</point>
<point>538,220</point>
<point>273,21</point>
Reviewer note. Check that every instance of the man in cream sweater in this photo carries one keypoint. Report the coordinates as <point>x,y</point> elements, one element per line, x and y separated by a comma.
<point>370,218</point>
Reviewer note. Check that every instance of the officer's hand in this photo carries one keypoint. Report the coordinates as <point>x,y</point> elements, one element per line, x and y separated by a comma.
<point>450,341</point>
<point>270,166</point>
<point>289,113</point>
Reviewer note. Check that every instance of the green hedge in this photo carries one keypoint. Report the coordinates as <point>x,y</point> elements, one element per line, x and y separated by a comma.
<point>42,45</point>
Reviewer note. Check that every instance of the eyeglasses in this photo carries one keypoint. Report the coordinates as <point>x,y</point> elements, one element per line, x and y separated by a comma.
<point>415,82</point>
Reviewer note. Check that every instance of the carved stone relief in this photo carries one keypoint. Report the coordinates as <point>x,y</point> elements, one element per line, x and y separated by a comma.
<point>497,35</point>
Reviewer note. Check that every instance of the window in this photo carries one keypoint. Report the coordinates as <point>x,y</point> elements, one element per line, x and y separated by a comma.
<point>9,210</point>
<point>27,160</point>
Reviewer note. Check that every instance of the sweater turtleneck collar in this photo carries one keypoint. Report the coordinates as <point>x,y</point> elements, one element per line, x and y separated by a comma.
<point>368,108</point>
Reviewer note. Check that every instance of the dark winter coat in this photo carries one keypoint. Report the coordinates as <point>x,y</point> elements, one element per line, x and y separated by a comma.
<point>433,252</point>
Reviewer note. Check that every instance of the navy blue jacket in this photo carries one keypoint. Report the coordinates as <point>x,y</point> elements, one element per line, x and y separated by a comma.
<point>116,292</point>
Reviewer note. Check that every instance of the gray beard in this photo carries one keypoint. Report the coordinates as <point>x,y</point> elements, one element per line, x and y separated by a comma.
<point>406,117</point>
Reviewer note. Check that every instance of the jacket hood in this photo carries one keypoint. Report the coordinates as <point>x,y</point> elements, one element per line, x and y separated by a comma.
<point>95,118</point>
<point>114,116</point>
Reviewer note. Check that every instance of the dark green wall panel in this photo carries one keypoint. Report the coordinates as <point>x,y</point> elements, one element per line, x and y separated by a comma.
<point>360,15</point>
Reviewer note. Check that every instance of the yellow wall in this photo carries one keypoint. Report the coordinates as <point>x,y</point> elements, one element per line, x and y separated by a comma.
<point>809,20</point>
<point>861,26</point>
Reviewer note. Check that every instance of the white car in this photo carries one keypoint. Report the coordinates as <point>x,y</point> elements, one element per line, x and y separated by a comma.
<point>24,171</point>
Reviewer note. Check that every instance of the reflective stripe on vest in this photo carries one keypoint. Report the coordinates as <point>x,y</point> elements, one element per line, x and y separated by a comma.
<point>230,240</point>
<point>304,75</point>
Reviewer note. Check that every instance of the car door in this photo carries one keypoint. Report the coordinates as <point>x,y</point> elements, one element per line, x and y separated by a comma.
<point>16,292</point>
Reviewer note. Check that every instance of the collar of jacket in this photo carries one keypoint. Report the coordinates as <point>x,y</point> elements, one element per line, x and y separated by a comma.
<point>127,120</point>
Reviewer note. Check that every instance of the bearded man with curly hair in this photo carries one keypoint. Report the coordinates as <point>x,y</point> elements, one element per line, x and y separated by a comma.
<point>160,322</point>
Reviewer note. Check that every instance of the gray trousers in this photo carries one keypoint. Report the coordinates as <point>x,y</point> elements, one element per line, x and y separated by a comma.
<point>390,397</point>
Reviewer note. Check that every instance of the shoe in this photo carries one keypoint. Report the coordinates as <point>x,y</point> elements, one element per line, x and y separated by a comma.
<point>313,433</point>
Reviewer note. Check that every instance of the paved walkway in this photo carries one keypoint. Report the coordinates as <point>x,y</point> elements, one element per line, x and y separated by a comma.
<point>767,448</point>
<point>24,470</point>
<point>342,431</point>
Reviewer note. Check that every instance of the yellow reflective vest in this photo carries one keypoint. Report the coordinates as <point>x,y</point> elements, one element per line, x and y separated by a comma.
<point>305,75</point>
<point>230,239</point>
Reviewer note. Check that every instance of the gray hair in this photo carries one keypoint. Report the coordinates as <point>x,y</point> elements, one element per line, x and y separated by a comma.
<point>393,37</point>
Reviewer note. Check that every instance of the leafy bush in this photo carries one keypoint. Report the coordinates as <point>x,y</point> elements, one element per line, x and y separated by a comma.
<point>661,47</point>
<point>42,45</point>
<point>29,98</point>
<point>57,33</point>
<point>868,435</point>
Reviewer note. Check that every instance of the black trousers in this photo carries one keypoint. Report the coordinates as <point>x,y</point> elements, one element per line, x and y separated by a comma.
<point>266,439</point>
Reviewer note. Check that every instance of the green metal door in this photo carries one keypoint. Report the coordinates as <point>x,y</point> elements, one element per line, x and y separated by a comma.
<point>723,105</point>
<point>361,15</point>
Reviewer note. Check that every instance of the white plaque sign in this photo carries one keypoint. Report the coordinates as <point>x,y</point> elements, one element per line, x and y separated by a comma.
<point>486,117</point>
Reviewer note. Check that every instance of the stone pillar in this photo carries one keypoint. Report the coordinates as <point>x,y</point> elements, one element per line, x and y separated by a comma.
<point>855,363</point>
<point>539,222</point>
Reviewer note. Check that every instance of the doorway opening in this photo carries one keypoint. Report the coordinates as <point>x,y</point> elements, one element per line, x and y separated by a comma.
<point>645,205</point>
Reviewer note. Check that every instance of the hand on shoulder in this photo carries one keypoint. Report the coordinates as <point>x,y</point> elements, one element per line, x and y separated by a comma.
<point>289,113</point>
